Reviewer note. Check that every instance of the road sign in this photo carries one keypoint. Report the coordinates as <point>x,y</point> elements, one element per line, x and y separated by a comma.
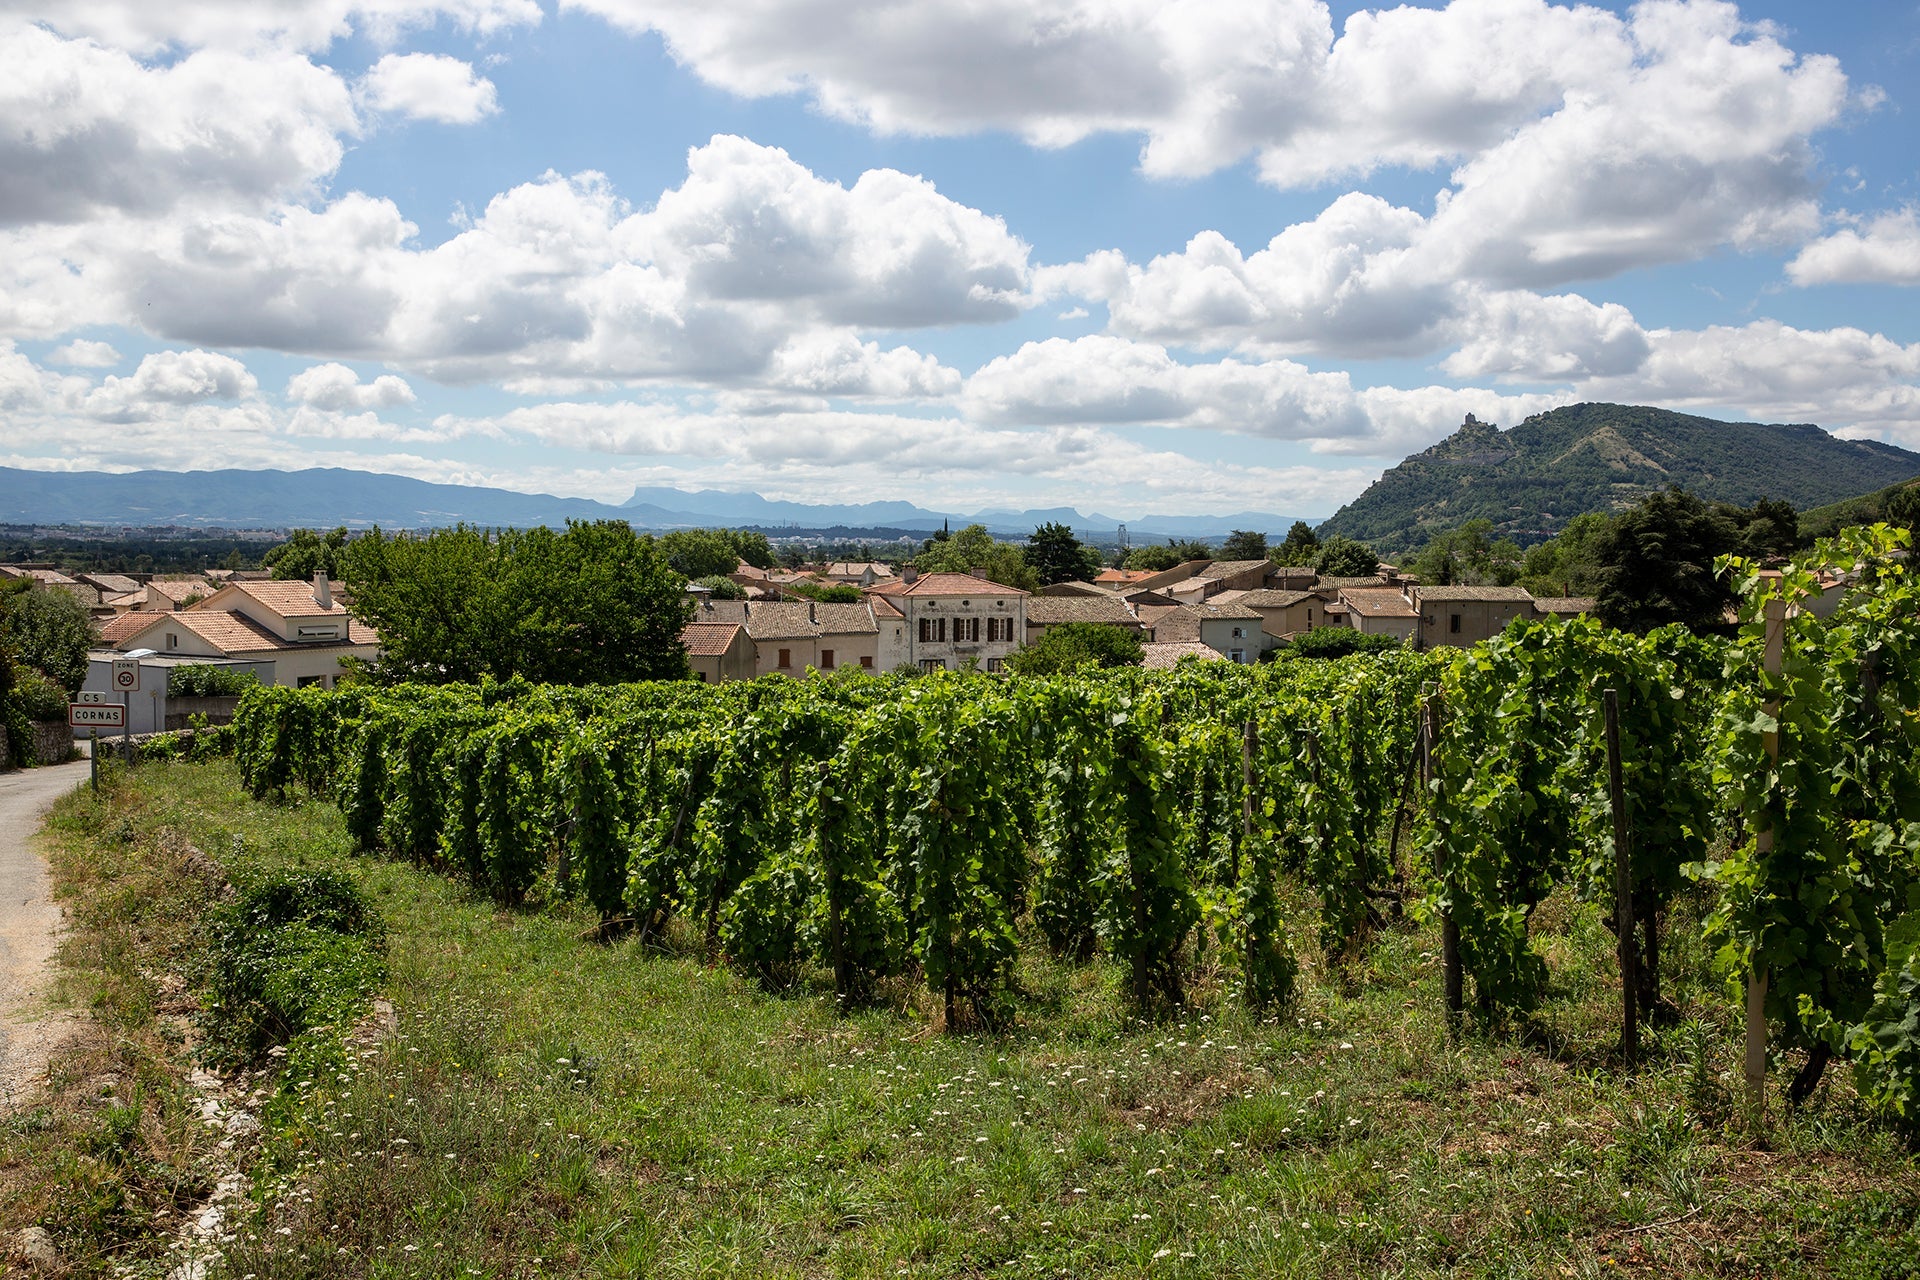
<point>126,675</point>
<point>82,716</point>
<point>91,698</point>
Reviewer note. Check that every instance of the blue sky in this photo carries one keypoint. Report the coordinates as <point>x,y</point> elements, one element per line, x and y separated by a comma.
<point>1178,257</point>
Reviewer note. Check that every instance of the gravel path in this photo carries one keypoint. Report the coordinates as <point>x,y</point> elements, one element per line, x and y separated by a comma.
<point>29,925</point>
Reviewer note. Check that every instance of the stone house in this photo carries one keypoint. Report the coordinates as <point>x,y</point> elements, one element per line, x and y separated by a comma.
<point>294,633</point>
<point>954,620</point>
<point>1466,615</point>
<point>719,651</point>
<point>1046,612</point>
<point>1381,611</point>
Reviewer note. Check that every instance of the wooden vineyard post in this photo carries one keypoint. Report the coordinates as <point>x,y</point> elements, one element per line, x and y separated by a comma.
<point>1249,741</point>
<point>1622,886</point>
<point>1454,981</point>
<point>1774,614</point>
<point>93,759</point>
<point>835,940</point>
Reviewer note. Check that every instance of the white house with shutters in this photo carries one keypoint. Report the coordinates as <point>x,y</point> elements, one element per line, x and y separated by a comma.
<point>956,619</point>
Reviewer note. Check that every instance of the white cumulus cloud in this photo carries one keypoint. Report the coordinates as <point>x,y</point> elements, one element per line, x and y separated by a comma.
<point>152,26</point>
<point>84,353</point>
<point>335,386</point>
<point>429,86</point>
<point>1884,250</point>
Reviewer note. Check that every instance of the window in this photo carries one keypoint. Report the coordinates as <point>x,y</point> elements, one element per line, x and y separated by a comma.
<point>786,659</point>
<point>1239,633</point>
<point>932,664</point>
<point>999,630</point>
<point>1237,655</point>
<point>826,659</point>
<point>866,662</point>
<point>932,630</point>
<point>966,630</point>
<point>305,681</point>
<point>173,641</point>
<point>1453,623</point>
<point>996,664</point>
<point>702,675</point>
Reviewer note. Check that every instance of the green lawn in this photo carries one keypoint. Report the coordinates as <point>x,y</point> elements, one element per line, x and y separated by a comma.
<point>553,1106</point>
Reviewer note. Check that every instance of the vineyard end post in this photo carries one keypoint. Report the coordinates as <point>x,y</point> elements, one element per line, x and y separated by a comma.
<point>834,892</point>
<point>1249,740</point>
<point>1454,979</point>
<point>1622,885</point>
<point>1774,616</point>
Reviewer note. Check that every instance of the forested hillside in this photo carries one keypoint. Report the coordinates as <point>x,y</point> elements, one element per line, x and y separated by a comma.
<point>1598,457</point>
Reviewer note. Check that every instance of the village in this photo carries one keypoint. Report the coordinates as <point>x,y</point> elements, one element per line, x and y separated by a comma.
<point>296,633</point>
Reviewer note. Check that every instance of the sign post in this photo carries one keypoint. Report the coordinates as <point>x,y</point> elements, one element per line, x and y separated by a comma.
<point>126,681</point>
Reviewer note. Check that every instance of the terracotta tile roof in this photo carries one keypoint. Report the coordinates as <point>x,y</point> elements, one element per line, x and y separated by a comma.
<point>1151,615</point>
<point>233,633</point>
<point>1493,595</point>
<point>783,620</point>
<point>854,568</point>
<point>178,589</point>
<point>734,611</point>
<point>1563,604</point>
<point>1047,611</point>
<point>1209,610</point>
<point>50,578</point>
<point>1166,653</point>
<point>1121,577</point>
<point>844,620</point>
<point>948,584</point>
<point>130,600</point>
<point>883,607</point>
<point>118,584</point>
<point>290,598</point>
<point>1071,588</point>
<point>709,639</point>
<point>1234,568</point>
<point>1378,602</point>
<point>126,625</point>
<point>1268,598</point>
<point>1337,584</point>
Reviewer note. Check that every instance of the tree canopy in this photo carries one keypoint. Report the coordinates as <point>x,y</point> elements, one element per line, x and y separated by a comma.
<point>1244,544</point>
<point>1340,557</point>
<point>307,552</point>
<point>974,548</point>
<point>1155,558</point>
<point>597,604</point>
<point>1071,646</point>
<point>1300,548</point>
<point>1469,557</point>
<point>1056,555</point>
<point>47,630</point>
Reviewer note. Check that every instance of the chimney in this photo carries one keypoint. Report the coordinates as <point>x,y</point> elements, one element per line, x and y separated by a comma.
<point>322,591</point>
<point>909,575</point>
<point>810,616</point>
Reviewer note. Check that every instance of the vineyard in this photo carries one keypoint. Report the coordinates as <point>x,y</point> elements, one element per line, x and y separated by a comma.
<point>927,827</point>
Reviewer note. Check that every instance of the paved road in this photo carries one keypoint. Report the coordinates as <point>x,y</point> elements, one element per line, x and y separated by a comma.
<point>29,920</point>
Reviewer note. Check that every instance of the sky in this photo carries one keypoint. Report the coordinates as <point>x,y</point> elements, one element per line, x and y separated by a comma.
<point>1135,257</point>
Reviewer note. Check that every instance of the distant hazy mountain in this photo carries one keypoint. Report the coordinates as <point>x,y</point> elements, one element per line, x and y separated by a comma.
<point>323,498</point>
<point>1597,457</point>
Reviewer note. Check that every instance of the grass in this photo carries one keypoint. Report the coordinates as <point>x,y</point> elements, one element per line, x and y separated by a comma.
<point>549,1106</point>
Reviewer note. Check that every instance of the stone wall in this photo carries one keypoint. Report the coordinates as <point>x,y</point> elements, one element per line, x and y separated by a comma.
<point>181,711</point>
<point>52,741</point>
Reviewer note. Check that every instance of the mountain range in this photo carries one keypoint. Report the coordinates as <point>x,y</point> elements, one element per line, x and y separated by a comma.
<point>1530,480</point>
<point>325,497</point>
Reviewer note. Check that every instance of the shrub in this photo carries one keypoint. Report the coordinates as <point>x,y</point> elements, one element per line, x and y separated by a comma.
<point>41,698</point>
<point>208,680</point>
<point>1338,642</point>
<point>293,951</point>
<point>1071,646</point>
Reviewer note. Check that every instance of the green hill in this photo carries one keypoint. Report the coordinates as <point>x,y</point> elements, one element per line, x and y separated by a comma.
<point>1824,522</point>
<point>1599,457</point>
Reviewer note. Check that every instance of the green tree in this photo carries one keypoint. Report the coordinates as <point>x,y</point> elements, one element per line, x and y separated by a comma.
<point>1153,558</point>
<point>1072,646</point>
<point>753,548</point>
<point>1055,555</point>
<point>1768,528</point>
<point>1344,558</point>
<point>307,552</point>
<point>1301,547</point>
<point>1903,509</point>
<point>700,553</point>
<point>1244,544</point>
<point>1469,556</point>
<point>596,604</point>
<point>1657,564</point>
<point>973,548</point>
<point>47,630</point>
<point>1568,565</point>
<point>723,588</point>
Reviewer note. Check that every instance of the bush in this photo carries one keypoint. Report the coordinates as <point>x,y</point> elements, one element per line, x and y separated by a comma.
<point>209,680</point>
<point>293,951</point>
<point>41,698</point>
<point>1071,646</point>
<point>1338,642</point>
